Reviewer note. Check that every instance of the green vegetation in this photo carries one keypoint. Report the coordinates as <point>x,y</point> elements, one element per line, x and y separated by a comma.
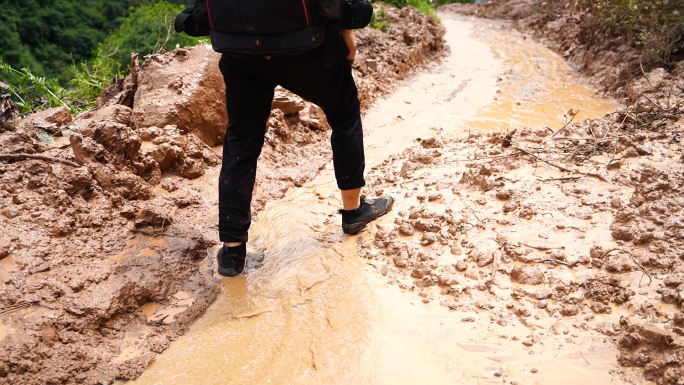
<point>147,28</point>
<point>656,27</point>
<point>423,6</point>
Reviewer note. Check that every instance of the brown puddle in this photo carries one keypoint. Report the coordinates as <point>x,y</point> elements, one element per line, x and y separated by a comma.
<point>310,311</point>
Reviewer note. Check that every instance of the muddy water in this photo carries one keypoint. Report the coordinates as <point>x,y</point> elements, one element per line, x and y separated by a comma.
<point>309,311</point>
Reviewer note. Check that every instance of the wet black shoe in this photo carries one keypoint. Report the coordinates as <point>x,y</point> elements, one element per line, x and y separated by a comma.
<point>231,260</point>
<point>354,221</point>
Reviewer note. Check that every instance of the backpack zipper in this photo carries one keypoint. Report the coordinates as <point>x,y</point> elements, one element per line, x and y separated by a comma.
<point>306,13</point>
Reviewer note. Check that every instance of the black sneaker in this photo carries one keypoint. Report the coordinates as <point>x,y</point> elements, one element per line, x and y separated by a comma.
<point>231,263</point>
<point>354,221</point>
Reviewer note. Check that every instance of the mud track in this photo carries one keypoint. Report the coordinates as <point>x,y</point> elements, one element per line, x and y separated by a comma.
<point>527,245</point>
<point>521,249</point>
<point>106,244</point>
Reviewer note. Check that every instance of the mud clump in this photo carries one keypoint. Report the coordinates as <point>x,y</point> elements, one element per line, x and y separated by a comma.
<point>659,352</point>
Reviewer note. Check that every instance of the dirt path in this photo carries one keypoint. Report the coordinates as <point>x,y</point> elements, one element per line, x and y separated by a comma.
<point>430,292</point>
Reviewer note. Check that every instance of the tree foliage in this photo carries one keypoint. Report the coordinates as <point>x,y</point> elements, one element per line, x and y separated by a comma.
<point>47,36</point>
<point>147,29</point>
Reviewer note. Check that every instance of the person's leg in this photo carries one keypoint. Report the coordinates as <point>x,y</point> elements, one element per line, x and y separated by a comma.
<point>248,101</point>
<point>351,198</point>
<point>333,89</point>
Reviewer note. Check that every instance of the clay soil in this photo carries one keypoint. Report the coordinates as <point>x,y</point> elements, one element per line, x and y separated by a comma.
<point>106,248</point>
<point>106,260</point>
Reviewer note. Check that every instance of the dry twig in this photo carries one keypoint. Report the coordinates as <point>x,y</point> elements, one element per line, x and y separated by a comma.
<point>39,157</point>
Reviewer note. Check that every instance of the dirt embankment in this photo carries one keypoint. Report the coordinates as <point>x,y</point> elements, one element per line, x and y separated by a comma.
<point>103,256</point>
<point>613,63</point>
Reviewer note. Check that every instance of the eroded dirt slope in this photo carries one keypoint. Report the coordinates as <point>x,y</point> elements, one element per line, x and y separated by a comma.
<point>615,64</point>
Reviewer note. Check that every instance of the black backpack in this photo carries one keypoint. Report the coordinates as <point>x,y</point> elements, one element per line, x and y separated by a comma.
<point>271,27</point>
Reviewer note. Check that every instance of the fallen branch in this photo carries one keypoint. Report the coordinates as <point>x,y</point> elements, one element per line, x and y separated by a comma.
<point>572,117</point>
<point>555,261</point>
<point>542,248</point>
<point>39,157</point>
<point>565,169</point>
<point>650,279</point>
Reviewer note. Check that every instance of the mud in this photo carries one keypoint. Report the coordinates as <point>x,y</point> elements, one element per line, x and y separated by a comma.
<point>543,224</point>
<point>488,270</point>
<point>104,260</point>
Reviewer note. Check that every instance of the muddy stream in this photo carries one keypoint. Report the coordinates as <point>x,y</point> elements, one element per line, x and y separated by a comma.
<point>309,310</point>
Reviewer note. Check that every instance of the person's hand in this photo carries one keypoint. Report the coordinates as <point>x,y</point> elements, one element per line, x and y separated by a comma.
<point>350,41</point>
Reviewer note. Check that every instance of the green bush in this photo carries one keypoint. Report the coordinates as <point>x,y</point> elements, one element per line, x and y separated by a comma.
<point>655,27</point>
<point>424,6</point>
<point>147,29</point>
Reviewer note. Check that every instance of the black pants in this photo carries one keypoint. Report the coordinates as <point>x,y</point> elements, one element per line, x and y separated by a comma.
<point>250,84</point>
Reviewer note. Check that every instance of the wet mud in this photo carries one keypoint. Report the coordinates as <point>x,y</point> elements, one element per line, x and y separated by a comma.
<point>530,243</point>
<point>106,243</point>
<point>501,261</point>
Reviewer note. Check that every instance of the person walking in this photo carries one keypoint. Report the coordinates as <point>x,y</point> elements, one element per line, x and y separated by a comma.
<point>321,75</point>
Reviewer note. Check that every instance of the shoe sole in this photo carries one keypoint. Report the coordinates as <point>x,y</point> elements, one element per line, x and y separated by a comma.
<point>356,227</point>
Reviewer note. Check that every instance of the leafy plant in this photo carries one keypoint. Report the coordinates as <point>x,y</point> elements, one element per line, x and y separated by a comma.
<point>30,92</point>
<point>656,27</point>
<point>424,6</point>
<point>381,20</point>
<point>147,29</point>
<point>90,79</point>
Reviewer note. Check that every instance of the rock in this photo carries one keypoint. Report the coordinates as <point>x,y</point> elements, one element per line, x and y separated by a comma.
<point>448,279</point>
<point>5,246</point>
<point>615,165</point>
<point>193,168</point>
<point>148,133</point>
<point>461,265</point>
<point>504,194</point>
<point>113,113</point>
<point>673,281</point>
<point>406,229</point>
<point>657,336</point>
<point>169,184</point>
<point>52,118</point>
<point>615,203</point>
<point>287,102</point>
<point>433,142</point>
<point>643,150</point>
<point>631,152</point>
<point>510,206</point>
<point>483,258</point>
<point>429,238</point>
<point>45,266</point>
<point>317,118</point>
<point>166,155</point>
<point>401,260</point>
<point>154,216</point>
<point>183,88</point>
<point>4,369</point>
<point>528,275</point>
<point>372,64</point>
